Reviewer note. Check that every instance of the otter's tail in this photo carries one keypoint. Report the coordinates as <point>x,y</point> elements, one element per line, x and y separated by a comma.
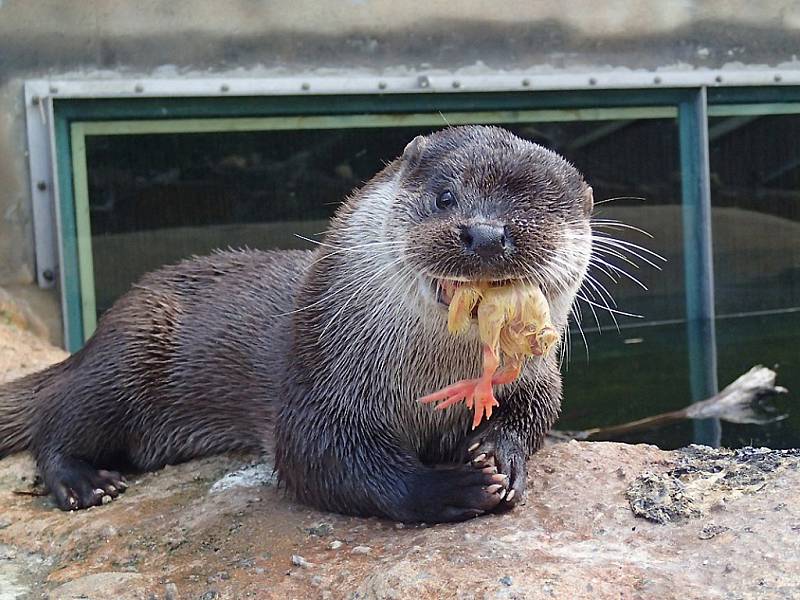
<point>17,406</point>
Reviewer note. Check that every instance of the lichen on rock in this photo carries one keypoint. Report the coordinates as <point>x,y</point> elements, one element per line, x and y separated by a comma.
<point>705,478</point>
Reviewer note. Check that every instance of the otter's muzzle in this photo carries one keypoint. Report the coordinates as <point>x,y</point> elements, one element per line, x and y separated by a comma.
<point>487,240</point>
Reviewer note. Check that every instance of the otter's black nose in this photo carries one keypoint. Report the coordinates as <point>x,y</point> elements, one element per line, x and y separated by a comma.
<point>485,239</point>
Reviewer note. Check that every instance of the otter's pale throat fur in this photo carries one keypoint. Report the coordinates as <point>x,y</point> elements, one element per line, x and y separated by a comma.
<point>319,357</point>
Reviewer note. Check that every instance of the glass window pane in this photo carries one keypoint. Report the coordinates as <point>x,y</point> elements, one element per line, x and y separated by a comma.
<point>755,177</point>
<point>641,370</point>
<point>157,198</point>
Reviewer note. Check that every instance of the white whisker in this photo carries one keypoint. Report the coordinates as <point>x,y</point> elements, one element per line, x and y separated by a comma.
<point>595,259</point>
<point>610,310</point>
<point>605,251</point>
<point>619,198</point>
<point>612,224</point>
<point>611,239</point>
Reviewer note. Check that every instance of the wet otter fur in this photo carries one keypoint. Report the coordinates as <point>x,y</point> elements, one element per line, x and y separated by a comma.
<point>319,356</point>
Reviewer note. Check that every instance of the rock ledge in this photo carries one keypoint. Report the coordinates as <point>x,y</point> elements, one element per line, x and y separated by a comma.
<point>716,524</point>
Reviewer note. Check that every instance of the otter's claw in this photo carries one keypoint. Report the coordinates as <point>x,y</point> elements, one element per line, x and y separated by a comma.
<point>76,484</point>
<point>495,448</point>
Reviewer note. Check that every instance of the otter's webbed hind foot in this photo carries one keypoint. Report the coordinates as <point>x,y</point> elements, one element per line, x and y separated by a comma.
<point>75,484</point>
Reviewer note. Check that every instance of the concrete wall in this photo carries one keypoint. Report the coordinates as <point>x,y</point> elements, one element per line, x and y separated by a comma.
<point>112,38</point>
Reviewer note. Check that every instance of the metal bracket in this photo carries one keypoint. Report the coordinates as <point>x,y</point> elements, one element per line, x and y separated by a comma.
<point>39,124</point>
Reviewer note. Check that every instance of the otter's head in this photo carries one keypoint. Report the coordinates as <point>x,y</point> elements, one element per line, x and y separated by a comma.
<point>479,203</point>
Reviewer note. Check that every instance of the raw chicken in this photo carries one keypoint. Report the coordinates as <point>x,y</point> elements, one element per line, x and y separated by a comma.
<point>514,324</point>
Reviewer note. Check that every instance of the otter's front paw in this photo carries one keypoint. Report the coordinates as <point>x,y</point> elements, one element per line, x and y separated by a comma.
<point>444,494</point>
<point>489,447</point>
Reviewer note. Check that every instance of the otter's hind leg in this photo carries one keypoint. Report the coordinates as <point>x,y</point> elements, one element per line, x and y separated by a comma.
<point>79,435</point>
<point>82,424</point>
<point>74,472</point>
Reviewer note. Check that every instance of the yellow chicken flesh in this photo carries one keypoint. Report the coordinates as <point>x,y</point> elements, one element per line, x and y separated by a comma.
<point>513,323</point>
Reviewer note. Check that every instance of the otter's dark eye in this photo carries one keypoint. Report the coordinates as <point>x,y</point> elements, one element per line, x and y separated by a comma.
<point>445,200</point>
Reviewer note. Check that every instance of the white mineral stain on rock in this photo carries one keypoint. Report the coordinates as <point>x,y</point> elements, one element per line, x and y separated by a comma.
<point>17,570</point>
<point>10,587</point>
<point>121,586</point>
<point>249,476</point>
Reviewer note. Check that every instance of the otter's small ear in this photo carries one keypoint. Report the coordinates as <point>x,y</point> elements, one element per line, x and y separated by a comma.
<point>588,201</point>
<point>413,152</point>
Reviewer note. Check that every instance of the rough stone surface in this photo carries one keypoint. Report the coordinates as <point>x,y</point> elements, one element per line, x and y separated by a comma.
<point>181,533</point>
<point>704,480</point>
<point>110,585</point>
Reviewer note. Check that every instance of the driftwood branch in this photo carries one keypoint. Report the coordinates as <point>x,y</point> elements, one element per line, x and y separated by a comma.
<point>740,402</point>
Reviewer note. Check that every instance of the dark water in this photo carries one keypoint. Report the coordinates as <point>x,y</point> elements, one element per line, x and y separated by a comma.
<point>649,374</point>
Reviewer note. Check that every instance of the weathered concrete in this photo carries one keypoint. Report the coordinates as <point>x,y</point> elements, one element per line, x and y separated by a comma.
<point>21,350</point>
<point>219,528</point>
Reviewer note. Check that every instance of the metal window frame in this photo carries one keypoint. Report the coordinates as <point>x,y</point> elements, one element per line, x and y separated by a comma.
<point>70,107</point>
<point>52,104</point>
<point>53,107</point>
<point>698,258</point>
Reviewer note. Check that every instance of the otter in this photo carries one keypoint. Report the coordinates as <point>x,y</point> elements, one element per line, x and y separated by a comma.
<point>319,357</point>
